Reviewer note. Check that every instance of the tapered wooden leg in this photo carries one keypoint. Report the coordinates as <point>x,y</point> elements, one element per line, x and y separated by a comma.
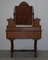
<point>12,47</point>
<point>35,48</point>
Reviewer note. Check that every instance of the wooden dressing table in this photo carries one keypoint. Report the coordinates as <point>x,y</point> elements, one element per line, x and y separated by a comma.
<point>23,15</point>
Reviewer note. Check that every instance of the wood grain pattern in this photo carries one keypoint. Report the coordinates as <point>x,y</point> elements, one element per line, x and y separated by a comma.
<point>23,15</point>
<point>23,35</point>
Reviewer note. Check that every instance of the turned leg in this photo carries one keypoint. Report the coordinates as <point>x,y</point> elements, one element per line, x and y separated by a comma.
<point>35,48</point>
<point>12,47</point>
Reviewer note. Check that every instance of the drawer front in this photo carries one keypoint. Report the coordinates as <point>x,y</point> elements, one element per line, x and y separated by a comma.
<point>24,35</point>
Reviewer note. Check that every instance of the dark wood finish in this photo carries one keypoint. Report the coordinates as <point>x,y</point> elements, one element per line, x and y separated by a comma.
<point>12,48</point>
<point>23,15</point>
<point>35,48</point>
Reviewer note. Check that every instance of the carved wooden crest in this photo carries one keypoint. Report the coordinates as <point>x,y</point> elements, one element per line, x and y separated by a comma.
<point>23,3</point>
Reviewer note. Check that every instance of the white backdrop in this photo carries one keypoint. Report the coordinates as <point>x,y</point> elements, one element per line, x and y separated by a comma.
<point>40,10</point>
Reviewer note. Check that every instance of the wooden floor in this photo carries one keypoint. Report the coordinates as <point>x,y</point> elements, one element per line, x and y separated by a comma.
<point>23,55</point>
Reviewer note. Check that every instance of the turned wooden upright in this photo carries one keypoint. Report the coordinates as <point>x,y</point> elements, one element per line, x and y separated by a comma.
<point>23,15</point>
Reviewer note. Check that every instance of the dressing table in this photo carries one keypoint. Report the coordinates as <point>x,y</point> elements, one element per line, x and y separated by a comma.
<point>23,26</point>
